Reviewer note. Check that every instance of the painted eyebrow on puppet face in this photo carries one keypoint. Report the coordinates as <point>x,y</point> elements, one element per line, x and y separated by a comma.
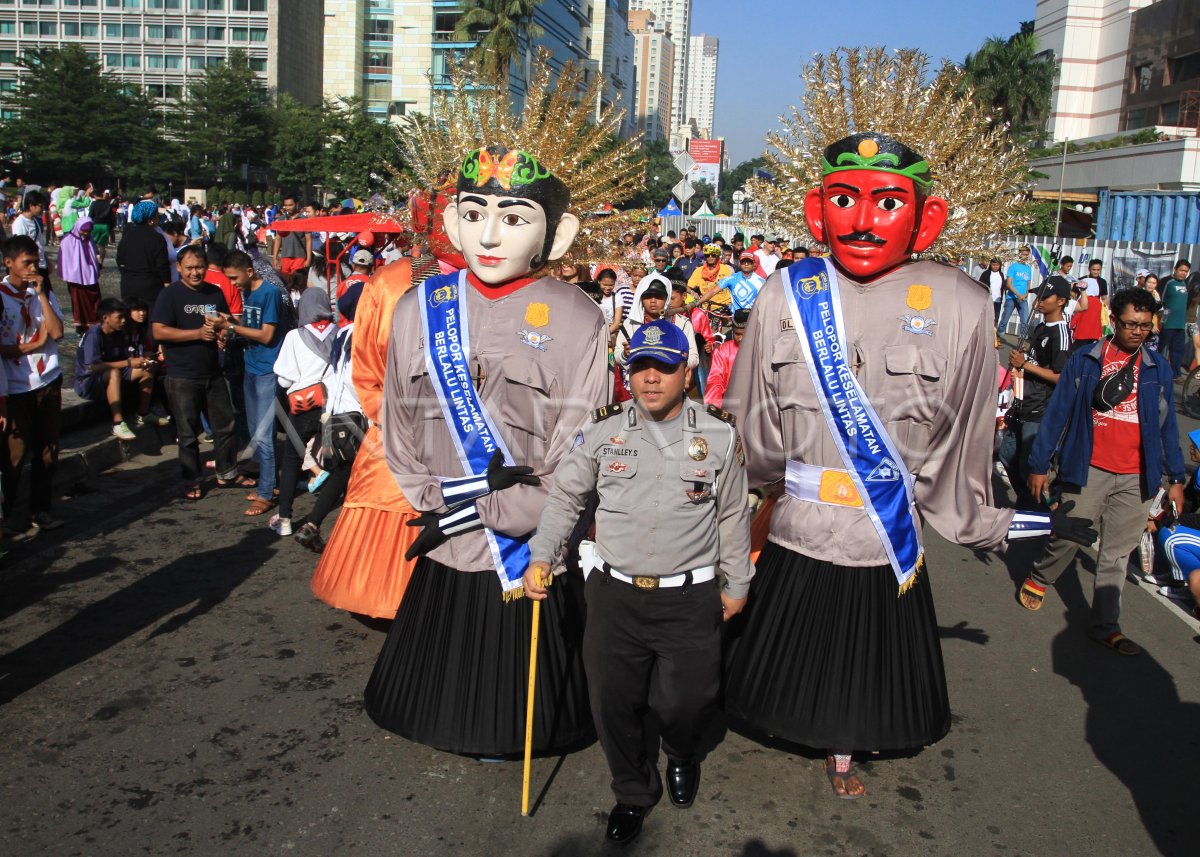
<point>509,203</point>
<point>478,200</point>
<point>889,189</point>
<point>844,186</point>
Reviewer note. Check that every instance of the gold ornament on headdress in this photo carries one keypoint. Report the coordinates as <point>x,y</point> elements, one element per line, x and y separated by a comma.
<point>558,125</point>
<point>973,163</point>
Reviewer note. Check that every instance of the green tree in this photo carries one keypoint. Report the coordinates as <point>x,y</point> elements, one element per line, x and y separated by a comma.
<point>500,26</point>
<point>225,120</point>
<point>661,176</point>
<point>300,132</point>
<point>1015,79</point>
<point>358,148</point>
<point>75,124</point>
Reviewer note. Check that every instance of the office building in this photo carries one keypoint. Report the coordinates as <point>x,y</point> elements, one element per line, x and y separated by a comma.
<point>702,83</point>
<point>654,56</point>
<point>676,15</point>
<point>161,44</point>
<point>1163,69</point>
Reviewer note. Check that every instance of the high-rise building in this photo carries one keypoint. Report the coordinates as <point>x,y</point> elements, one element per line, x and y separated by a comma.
<point>677,16</point>
<point>160,44</point>
<point>1090,40</point>
<point>394,53</point>
<point>654,56</point>
<point>702,82</point>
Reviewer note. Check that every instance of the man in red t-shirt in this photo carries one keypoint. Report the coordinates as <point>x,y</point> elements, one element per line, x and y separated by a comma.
<point>1087,323</point>
<point>1111,473</point>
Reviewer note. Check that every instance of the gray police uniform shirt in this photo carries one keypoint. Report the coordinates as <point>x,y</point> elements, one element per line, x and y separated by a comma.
<point>923,343</point>
<point>543,352</point>
<point>672,496</point>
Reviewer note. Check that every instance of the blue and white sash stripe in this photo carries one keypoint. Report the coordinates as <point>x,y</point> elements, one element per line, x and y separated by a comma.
<point>870,456</point>
<point>447,354</point>
<point>1029,525</point>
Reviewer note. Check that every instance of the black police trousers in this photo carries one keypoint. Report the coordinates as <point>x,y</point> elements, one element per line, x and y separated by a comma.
<point>653,663</point>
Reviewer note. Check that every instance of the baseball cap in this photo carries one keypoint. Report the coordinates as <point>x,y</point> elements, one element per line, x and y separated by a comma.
<point>657,286</point>
<point>747,254</point>
<point>1142,272</point>
<point>661,253</point>
<point>362,256</point>
<point>659,340</point>
<point>772,239</point>
<point>1055,286</point>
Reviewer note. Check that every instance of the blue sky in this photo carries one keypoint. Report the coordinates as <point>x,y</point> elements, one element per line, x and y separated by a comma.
<point>765,43</point>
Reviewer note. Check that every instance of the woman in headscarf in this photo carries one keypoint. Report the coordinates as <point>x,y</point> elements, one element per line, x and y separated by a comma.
<point>79,268</point>
<point>302,362</point>
<point>142,255</point>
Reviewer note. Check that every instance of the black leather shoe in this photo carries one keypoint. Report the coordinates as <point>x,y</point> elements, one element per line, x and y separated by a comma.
<point>683,781</point>
<point>625,823</point>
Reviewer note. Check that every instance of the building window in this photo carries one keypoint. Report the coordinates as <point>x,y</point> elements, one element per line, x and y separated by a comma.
<point>164,4</point>
<point>8,28</point>
<point>7,85</point>
<point>239,34</point>
<point>112,60</point>
<point>70,28</point>
<point>131,31</point>
<point>258,34</point>
<point>89,31</point>
<point>29,28</point>
<point>196,63</point>
<point>216,34</point>
<point>1135,119</point>
<point>1141,78</point>
<point>154,31</point>
<point>173,31</point>
<point>1184,68</point>
<point>8,57</point>
<point>379,29</point>
<point>132,61</point>
<point>173,90</point>
<point>377,62</point>
<point>174,62</point>
<point>195,34</point>
<point>123,4</point>
<point>1170,113</point>
<point>258,63</point>
<point>444,24</point>
<point>112,31</point>
<point>153,61</point>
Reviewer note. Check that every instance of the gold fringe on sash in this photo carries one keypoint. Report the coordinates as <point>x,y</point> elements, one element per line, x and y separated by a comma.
<point>908,584</point>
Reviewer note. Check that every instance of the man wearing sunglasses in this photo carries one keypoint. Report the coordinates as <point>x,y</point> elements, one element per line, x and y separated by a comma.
<point>1115,402</point>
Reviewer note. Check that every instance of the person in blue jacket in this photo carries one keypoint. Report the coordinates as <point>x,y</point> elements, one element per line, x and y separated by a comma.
<point>1114,411</point>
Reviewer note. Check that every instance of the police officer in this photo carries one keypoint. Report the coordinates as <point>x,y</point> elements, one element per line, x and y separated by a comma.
<point>672,508</point>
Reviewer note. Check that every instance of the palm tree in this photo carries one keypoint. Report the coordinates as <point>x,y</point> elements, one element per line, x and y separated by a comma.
<point>500,26</point>
<point>1015,79</point>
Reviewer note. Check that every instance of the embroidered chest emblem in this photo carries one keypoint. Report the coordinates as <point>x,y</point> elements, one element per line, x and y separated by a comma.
<point>698,449</point>
<point>917,324</point>
<point>920,297</point>
<point>617,467</point>
<point>537,315</point>
<point>534,339</point>
<point>653,336</point>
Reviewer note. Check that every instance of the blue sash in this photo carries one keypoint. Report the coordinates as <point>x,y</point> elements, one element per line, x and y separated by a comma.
<point>883,481</point>
<point>447,355</point>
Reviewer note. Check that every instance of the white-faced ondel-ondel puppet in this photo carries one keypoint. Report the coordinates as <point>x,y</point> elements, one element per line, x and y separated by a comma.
<point>479,408</point>
<point>864,390</point>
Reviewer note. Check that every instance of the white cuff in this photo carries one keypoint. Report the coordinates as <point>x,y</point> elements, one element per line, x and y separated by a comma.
<point>1029,525</point>
<point>462,520</point>
<point>464,490</point>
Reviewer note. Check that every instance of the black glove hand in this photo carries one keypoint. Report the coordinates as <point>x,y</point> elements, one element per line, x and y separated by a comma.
<point>500,476</point>
<point>1072,529</point>
<point>431,535</point>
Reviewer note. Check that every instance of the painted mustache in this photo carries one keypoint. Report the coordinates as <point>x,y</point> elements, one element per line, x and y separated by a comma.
<point>867,237</point>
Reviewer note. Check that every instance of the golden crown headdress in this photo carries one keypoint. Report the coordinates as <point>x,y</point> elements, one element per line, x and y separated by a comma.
<point>972,162</point>
<point>558,125</point>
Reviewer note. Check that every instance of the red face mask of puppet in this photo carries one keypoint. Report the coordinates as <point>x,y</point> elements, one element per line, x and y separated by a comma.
<point>872,220</point>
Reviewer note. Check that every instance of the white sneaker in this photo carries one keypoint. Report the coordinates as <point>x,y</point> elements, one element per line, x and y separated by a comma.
<point>282,526</point>
<point>122,431</point>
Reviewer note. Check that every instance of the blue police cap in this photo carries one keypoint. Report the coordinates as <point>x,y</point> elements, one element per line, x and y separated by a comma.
<point>659,340</point>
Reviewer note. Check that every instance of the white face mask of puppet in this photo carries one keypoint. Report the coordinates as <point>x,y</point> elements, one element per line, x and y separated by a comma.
<point>504,237</point>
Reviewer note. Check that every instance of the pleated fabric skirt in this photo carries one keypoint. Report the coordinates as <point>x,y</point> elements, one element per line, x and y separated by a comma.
<point>832,658</point>
<point>363,568</point>
<point>454,670</point>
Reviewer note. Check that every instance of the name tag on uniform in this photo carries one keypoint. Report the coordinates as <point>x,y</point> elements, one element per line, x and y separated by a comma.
<point>825,485</point>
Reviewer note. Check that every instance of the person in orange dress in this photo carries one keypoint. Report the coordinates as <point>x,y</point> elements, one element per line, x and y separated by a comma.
<point>363,568</point>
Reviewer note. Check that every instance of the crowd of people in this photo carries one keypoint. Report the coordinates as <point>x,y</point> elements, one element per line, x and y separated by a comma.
<point>241,336</point>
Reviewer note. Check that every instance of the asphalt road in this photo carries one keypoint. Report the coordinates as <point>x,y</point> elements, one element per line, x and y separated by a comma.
<point>168,685</point>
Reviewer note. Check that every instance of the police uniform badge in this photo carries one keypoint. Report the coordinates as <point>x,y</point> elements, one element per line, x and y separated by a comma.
<point>601,414</point>
<point>652,336</point>
<point>536,315</point>
<point>917,324</point>
<point>698,449</point>
<point>920,297</point>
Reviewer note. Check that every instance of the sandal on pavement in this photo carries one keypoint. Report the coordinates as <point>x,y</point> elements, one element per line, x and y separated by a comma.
<point>1121,644</point>
<point>259,506</point>
<point>840,781</point>
<point>1034,591</point>
<point>253,495</point>
<point>239,481</point>
<point>194,492</point>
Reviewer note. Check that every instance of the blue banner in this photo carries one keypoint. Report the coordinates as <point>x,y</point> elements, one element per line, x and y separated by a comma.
<point>447,341</point>
<point>872,462</point>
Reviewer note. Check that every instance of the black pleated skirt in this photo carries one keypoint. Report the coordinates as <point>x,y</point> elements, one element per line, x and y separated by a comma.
<point>454,670</point>
<point>831,658</point>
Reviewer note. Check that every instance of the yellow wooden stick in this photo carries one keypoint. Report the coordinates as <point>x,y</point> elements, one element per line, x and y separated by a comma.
<point>533,647</point>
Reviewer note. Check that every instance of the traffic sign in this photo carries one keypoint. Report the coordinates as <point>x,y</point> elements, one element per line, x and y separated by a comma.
<point>684,162</point>
<point>683,191</point>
